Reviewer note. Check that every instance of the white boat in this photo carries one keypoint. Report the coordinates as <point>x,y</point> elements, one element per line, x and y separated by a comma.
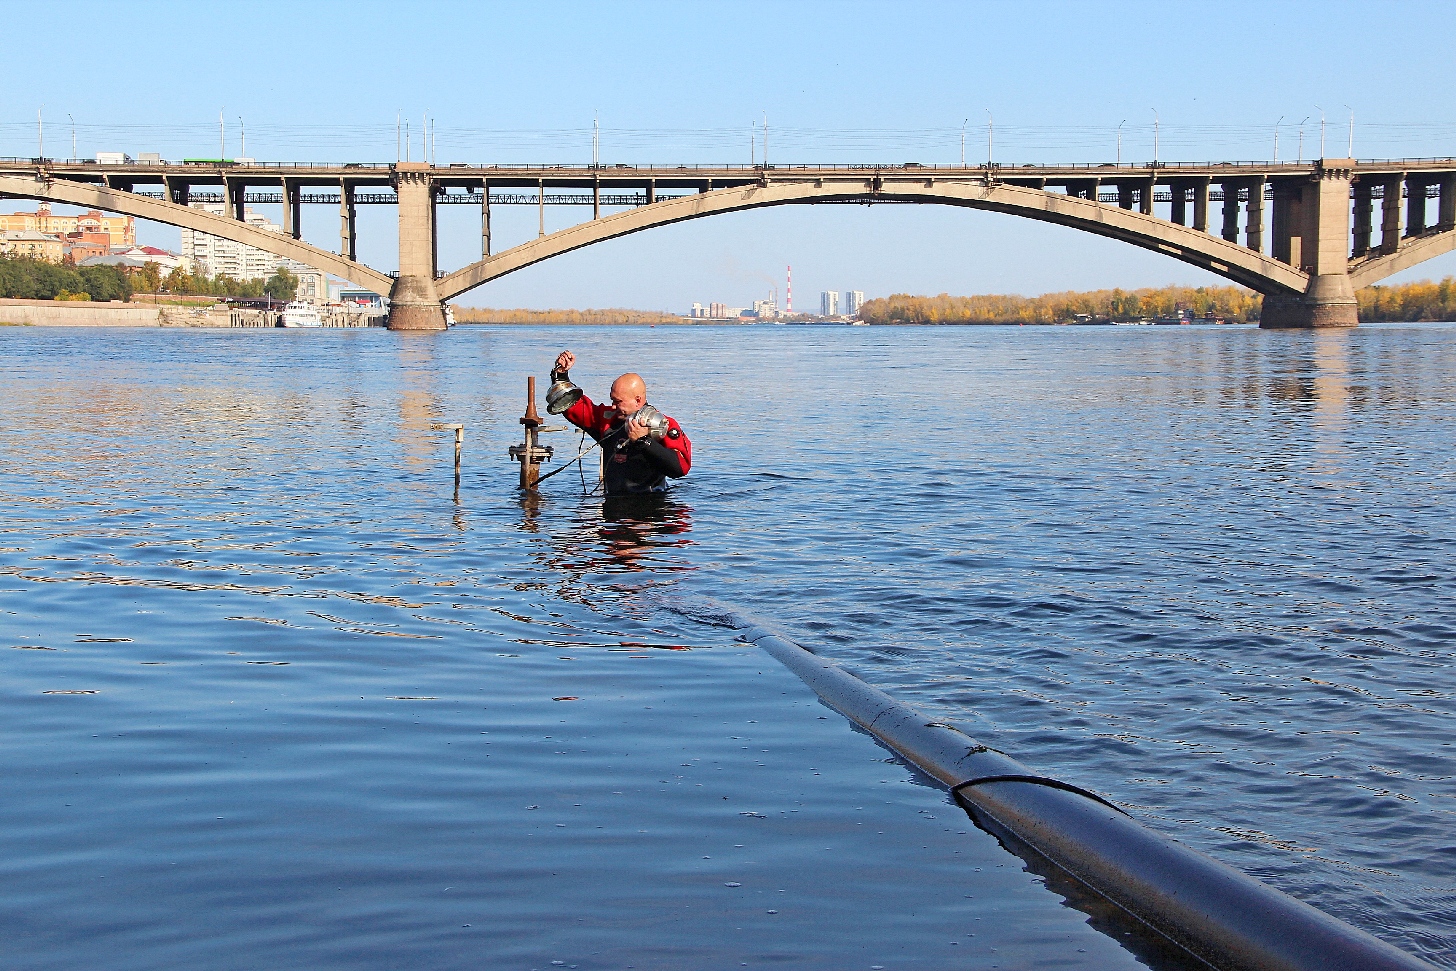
<point>300,313</point>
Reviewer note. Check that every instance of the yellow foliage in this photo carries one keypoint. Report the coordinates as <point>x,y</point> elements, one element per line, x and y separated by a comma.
<point>1422,300</point>
<point>1230,303</point>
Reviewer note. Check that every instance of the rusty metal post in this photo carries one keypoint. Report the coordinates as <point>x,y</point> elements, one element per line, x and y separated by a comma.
<point>531,453</point>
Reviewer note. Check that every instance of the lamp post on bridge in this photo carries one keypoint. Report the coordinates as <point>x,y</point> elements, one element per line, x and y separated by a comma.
<point>1322,130</point>
<point>990,136</point>
<point>963,141</point>
<point>1301,138</point>
<point>73,134</point>
<point>40,132</point>
<point>1276,138</point>
<point>1350,151</point>
<point>1119,140</point>
<point>1155,136</point>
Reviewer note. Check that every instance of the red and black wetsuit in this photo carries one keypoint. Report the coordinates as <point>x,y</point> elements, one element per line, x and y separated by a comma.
<point>632,467</point>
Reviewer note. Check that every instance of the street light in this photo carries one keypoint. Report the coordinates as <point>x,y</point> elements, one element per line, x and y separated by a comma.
<point>1301,138</point>
<point>1276,138</point>
<point>73,135</point>
<point>963,141</point>
<point>1155,136</point>
<point>40,131</point>
<point>1350,152</point>
<point>990,133</point>
<point>1119,140</point>
<point>1322,130</point>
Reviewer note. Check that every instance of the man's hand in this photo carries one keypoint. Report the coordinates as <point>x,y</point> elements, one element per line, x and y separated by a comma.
<point>565,360</point>
<point>636,431</point>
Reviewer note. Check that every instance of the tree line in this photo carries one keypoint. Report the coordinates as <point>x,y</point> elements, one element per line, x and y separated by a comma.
<point>28,278</point>
<point>1422,300</point>
<point>1230,303</point>
<point>282,285</point>
<point>489,315</point>
<point>1405,302</point>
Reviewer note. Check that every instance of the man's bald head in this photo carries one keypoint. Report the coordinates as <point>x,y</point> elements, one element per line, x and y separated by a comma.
<point>629,393</point>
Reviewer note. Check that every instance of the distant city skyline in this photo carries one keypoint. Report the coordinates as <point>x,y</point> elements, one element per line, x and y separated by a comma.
<point>1067,96</point>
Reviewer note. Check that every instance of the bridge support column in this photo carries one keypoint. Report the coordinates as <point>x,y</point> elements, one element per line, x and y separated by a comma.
<point>1364,227</point>
<point>292,209</point>
<point>1390,216</point>
<point>1287,245</point>
<point>1329,300</point>
<point>348,227</point>
<point>1230,211</point>
<point>1145,197</point>
<point>1179,211</point>
<point>1415,206</point>
<point>1254,216</point>
<point>178,191</point>
<point>414,303</point>
<point>1200,205</point>
<point>1446,220</point>
<point>236,198</point>
<point>596,197</point>
<point>485,219</point>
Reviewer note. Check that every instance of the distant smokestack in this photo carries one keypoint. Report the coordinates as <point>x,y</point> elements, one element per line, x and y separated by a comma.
<point>789,293</point>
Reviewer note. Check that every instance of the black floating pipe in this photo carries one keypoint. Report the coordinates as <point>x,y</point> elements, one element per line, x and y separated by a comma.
<point>1220,915</point>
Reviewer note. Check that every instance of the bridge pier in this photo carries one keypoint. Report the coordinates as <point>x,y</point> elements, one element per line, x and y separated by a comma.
<point>485,219</point>
<point>1390,216</point>
<point>1254,216</point>
<point>348,228</point>
<point>1364,211</point>
<point>1200,205</point>
<point>414,301</point>
<point>1415,206</point>
<point>1230,210</point>
<point>1178,212</point>
<point>292,208</point>
<point>1329,300</point>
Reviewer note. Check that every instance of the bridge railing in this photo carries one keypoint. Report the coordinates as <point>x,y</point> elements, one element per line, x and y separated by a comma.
<point>702,167</point>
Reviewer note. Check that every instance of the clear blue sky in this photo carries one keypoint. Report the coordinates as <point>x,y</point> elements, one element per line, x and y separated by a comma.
<point>683,82</point>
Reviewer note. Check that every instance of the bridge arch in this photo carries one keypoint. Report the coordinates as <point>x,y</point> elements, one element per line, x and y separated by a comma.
<point>186,217</point>
<point>1239,264</point>
<point>1412,252</point>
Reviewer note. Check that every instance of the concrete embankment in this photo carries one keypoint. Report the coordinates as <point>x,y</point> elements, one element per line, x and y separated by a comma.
<point>80,313</point>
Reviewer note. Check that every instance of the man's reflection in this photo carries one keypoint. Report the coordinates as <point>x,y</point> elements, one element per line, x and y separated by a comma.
<point>633,534</point>
<point>633,526</point>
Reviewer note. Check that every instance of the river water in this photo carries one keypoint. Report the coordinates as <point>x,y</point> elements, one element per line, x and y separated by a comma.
<point>273,696</point>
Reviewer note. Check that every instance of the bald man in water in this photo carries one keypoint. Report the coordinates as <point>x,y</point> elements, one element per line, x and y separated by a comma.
<point>635,458</point>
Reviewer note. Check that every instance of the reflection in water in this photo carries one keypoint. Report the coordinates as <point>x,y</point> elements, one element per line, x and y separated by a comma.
<point>1331,399</point>
<point>419,405</point>
<point>645,535</point>
<point>634,526</point>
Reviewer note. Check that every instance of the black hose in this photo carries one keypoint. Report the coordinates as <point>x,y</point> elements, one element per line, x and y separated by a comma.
<point>1218,914</point>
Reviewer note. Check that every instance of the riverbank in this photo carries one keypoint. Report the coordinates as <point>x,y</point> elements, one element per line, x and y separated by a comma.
<point>78,313</point>
<point>115,313</point>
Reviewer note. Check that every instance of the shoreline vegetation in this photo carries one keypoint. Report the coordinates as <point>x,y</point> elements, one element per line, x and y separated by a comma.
<point>1424,300</point>
<point>27,278</point>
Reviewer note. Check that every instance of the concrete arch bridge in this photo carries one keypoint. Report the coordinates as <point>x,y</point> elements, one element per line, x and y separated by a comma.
<point>1322,242</point>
